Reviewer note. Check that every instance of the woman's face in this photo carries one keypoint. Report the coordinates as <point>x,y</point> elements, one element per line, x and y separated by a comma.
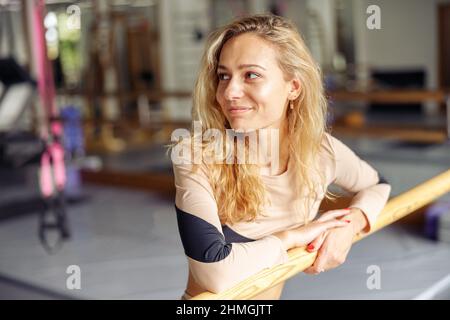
<point>252,90</point>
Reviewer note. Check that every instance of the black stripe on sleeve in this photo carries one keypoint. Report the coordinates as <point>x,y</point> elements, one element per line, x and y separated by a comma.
<point>202,241</point>
<point>233,236</point>
<point>382,180</point>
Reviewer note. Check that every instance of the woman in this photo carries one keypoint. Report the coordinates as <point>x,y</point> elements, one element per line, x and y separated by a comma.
<point>235,218</point>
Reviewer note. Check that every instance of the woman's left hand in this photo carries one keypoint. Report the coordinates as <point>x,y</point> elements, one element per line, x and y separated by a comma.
<point>334,245</point>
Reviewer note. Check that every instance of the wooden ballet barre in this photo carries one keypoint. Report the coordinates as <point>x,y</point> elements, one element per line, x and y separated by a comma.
<point>299,259</point>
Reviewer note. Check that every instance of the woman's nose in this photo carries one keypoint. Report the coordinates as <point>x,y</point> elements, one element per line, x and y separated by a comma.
<point>233,90</point>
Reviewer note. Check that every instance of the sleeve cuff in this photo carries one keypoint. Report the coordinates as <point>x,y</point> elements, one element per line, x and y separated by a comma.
<point>371,202</point>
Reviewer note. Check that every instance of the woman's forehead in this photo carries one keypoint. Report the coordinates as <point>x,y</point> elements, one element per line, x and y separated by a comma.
<point>247,49</point>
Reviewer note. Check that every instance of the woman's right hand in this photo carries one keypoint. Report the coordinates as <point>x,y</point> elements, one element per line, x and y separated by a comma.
<point>305,234</point>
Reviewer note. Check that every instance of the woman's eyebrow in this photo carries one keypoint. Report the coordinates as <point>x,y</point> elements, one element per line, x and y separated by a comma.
<point>242,66</point>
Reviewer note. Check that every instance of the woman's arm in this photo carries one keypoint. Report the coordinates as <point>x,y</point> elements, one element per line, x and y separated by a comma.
<point>371,194</point>
<point>358,220</point>
<point>371,191</point>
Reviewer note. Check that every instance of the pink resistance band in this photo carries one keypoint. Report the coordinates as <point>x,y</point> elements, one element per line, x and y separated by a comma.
<point>52,171</point>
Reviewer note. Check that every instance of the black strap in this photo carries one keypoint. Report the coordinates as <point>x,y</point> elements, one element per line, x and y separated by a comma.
<point>53,219</point>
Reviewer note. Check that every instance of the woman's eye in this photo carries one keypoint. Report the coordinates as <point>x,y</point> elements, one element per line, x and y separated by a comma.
<point>252,75</point>
<point>223,76</point>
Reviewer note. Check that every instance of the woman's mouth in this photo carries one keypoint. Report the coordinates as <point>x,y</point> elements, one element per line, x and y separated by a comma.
<point>239,110</point>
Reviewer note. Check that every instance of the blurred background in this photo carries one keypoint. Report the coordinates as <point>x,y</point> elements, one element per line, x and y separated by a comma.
<point>90,92</point>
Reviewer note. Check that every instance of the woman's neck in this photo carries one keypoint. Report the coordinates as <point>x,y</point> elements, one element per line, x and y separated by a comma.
<point>282,156</point>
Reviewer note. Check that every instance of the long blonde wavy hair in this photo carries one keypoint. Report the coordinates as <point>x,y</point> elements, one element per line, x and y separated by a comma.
<point>238,188</point>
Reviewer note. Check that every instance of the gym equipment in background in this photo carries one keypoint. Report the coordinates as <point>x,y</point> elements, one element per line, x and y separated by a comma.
<point>18,146</point>
<point>52,173</point>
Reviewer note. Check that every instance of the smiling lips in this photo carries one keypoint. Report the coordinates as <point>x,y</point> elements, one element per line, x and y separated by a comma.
<point>239,110</point>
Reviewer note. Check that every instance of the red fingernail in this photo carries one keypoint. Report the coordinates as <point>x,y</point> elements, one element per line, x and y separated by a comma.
<point>348,221</point>
<point>310,247</point>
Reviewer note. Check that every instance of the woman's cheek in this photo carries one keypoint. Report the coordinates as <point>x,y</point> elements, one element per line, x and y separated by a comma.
<point>220,101</point>
<point>265,94</point>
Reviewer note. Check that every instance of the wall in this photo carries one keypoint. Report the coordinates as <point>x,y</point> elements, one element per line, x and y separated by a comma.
<point>407,39</point>
<point>180,53</point>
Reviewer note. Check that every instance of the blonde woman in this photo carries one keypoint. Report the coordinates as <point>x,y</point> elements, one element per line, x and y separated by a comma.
<point>237,218</point>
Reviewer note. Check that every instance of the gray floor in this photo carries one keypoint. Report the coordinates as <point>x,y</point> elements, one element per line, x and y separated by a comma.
<point>127,245</point>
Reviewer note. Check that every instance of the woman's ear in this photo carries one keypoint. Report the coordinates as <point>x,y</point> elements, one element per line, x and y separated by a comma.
<point>296,87</point>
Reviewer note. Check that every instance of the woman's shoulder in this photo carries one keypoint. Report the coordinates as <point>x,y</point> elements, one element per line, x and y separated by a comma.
<point>187,157</point>
<point>182,152</point>
<point>328,144</point>
<point>328,156</point>
<point>334,145</point>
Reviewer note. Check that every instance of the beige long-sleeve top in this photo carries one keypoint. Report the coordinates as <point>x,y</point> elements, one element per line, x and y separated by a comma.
<point>220,256</point>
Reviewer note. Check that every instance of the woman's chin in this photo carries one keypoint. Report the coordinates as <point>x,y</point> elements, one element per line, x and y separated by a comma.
<point>241,126</point>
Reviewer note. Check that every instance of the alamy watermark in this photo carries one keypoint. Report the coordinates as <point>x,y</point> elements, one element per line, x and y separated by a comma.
<point>73,17</point>
<point>232,146</point>
<point>373,21</point>
<point>374,280</point>
<point>73,281</point>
